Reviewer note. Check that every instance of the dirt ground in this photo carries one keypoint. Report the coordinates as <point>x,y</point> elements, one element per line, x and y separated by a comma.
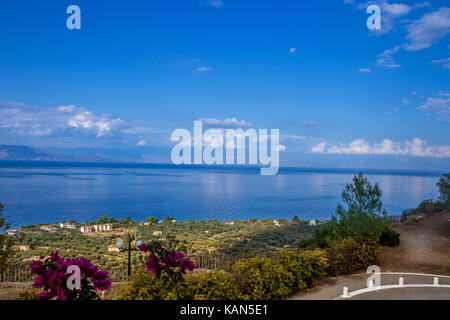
<point>424,248</point>
<point>11,290</point>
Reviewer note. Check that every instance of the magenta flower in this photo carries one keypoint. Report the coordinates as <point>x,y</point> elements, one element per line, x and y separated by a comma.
<point>161,261</point>
<point>51,277</point>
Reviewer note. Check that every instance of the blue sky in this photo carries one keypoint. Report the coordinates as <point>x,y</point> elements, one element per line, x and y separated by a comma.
<point>341,94</point>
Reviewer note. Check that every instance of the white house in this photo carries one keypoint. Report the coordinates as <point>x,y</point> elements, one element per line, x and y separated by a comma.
<point>14,232</point>
<point>49,228</point>
<point>87,229</point>
<point>312,222</point>
<point>67,225</point>
<point>113,248</point>
<point>96,228</point>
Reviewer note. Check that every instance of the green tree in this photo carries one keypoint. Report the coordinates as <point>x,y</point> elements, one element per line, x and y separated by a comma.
<point>152,220</point>
<point>362,214</point>
<point>128,219</point>
<point>444,189</point>
<point>296,219</point>
<point>167,219</point>
<point>6,245</point>
<point>102,220</point>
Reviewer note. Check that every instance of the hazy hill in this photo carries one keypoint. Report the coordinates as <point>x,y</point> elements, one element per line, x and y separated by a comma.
<point>11,152</point>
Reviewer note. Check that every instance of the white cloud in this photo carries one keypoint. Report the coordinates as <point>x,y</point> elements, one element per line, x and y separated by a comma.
<point>228,122</point>
<point>87,120</point>
<point>445,63</point>
<point>319,148</point>
<point>281,147</point>
<point>415,147</point>
<point>386,58</point>
<point>142,142</point>
<point>421,33</point>
<point>431,27</point>
<point>396,9</point>
<point>67,121</point>
<point>390,12</point>
<point>69,108</point>
<point>199,70</point>
<point>364,70</point>
<point>439,106</point>
<point>290,137</point>
<point>292,50</point>
<point>214,3</point>
<point>405,101</point>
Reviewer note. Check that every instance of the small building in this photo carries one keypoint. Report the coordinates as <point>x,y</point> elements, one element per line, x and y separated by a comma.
<point>21,247</point>
<point>174,220</point>
<point>96,228</point>
<point>14,232</point>
<point>276,222</point>
<point>229,223</point>
<point>312,222</point>
<point>113,248</point>
<point>87,229</point>
<point>67,225</point>
<point>48,228</point>
<point>157,233</point>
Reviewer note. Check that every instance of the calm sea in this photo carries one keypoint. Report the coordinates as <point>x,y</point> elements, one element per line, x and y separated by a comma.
<point>49,192</point>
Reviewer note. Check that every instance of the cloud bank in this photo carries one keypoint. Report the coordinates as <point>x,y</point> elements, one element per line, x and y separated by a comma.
<point>416,147</point>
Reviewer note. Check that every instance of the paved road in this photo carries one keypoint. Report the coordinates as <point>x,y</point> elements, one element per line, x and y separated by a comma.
<point>332,288</point>
<point>405,294</point>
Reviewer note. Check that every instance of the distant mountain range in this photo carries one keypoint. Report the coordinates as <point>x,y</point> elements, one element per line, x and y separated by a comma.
<point>11,152</point>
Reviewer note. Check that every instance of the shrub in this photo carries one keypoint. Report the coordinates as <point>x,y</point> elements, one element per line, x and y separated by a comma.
<point>389,238</point>
<point>307,266</point>
<point>341,257</point>
<point>350,255</point>
<point>306,242</point>
<point>262,278</point>
<point>28,294</point>
<point>214,285</point>
<point>6,244</point>
<point>426,206</point>
<point>144,286</point>
<point>441,206</point>
<point>444,190</point>
<point>367,252</point>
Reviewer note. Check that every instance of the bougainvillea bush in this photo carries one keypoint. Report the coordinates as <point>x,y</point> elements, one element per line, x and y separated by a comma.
<point>167,265</point>
<point>52,276</point>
